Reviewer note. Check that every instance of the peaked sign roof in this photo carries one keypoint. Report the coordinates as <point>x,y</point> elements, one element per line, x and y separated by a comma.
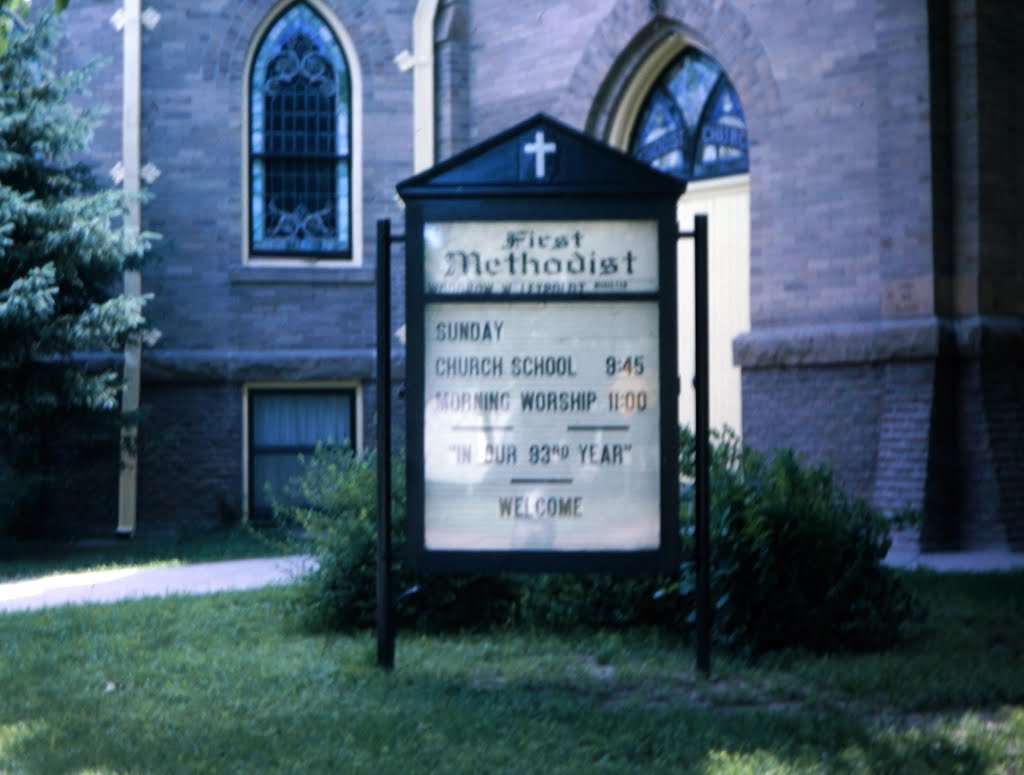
<point>540,157</point>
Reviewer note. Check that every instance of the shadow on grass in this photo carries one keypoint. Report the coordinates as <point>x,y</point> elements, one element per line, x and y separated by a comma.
<point>220,685</point>
<point>429,727</point>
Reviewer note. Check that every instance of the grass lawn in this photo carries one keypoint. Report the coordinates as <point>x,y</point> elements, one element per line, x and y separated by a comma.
<point>225,684</point>
<point>28,559</point>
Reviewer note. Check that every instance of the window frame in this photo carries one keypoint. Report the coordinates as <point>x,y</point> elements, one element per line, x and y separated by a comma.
<point>252,255</point>
<point>249,451</point>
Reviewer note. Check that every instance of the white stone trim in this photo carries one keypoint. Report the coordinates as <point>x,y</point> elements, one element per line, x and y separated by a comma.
<point>130,173</point>
<point>423,119</point>
<point>639,85</point>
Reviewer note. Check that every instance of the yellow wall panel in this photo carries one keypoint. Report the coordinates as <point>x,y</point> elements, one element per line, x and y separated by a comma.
<point>726,202</point>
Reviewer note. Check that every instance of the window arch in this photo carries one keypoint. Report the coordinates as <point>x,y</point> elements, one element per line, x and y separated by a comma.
<point>691,124</point>
<point>300,140</point>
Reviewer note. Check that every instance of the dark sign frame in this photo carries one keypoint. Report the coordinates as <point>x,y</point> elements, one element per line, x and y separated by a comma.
<point>591,183</point>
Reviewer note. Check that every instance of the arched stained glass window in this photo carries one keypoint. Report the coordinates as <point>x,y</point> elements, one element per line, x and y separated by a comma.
<point>692,123</point>
<point>300,155</point>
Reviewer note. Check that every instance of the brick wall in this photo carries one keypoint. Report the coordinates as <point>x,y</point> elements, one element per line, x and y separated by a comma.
<point>883,182</point>
<point>81,496</point>
<point>830,414</point>
<point>224,323</point>
<point>193,76</point>
<point>190,455</point>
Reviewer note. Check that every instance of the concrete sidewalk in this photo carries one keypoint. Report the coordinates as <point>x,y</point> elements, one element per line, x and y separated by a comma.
<point>108,586</point>
<point>993,560</point>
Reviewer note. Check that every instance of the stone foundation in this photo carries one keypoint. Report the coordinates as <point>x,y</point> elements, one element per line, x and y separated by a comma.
<point>925,414</point>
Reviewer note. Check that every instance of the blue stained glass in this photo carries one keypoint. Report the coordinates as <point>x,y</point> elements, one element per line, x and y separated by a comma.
<point>257,201</point>
<point>256,125</point>
<point>660,138</point>
<point>342,205</point>
<point>300,20</point>
<point>342,127</point>
<point>299,138</point>
<point>723,137</point>
<point>692,124</point>
<point>692,84</point>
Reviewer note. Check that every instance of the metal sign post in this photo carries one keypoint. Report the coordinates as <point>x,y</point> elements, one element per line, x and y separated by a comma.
<point>385,604</point>
<point>702,518</point>
<point>542,373</point>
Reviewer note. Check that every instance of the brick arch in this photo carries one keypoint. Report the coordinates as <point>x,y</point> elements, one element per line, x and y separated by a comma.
<point>238,21</point>
<point>224,57</point>
<point>635,29</point>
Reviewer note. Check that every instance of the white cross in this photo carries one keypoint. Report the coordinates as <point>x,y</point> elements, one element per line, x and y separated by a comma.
<point>541,149</point>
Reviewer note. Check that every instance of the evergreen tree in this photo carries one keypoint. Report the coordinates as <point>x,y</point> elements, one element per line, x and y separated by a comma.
<point>14,12</point>
<point>63,248</point>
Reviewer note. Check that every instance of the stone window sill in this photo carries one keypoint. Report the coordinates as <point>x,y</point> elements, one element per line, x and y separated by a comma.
<point>304,274</point>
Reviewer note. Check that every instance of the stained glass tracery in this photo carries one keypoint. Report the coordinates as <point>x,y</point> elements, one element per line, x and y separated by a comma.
<point>299,140</point>
<point>692,123</point>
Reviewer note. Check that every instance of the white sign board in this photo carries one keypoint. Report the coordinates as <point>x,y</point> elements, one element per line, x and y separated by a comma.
<point>541,258</point>
<point>542,418</point>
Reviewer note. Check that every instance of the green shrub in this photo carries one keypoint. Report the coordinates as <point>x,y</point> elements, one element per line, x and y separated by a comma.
<point>794,561</point>
<point>598,600</point>
<point>338,525</point>
<point>337,520</point>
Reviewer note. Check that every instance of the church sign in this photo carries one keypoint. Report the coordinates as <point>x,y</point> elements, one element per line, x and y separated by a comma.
<point>542,376</point>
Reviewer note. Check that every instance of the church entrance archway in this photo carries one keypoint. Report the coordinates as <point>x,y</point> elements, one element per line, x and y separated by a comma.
<point>681,114</point>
